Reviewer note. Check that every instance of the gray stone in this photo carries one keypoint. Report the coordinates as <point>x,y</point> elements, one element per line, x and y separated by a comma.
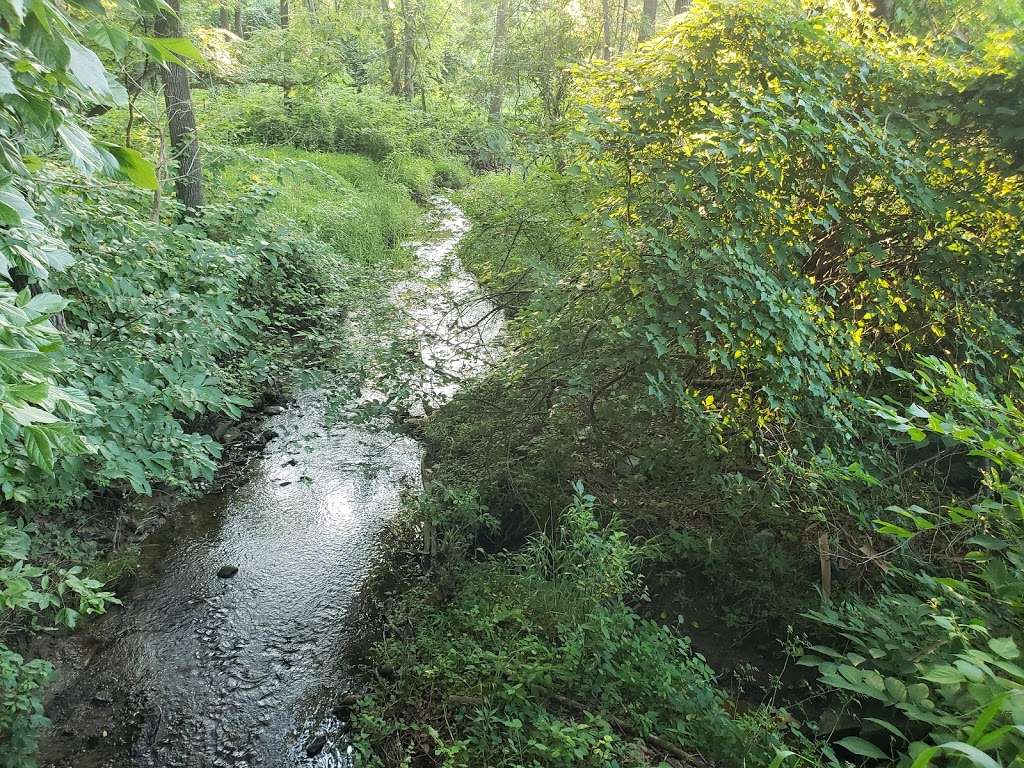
<point>316,745</point>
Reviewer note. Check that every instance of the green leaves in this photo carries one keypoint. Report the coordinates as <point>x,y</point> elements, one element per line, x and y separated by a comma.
<point>1004,647</point>
<point>859,746</point>
<point>7,87</point>
<point>38,448</point>
<point>132,166</point>
<point>172,50</point>
<point>86,70</point>
<point>13,11</point>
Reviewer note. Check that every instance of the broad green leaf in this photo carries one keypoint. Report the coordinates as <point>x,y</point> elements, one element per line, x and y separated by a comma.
<point>859,746</point>
<point>50,48</point>
<point>14,543</point>
<point>32,393</point>
<point>86,69</point>
<point>973,754</point>
<point>1005,647</point>
<point>924,758</point>
<point>896,689</point>
<point>133,166</point>
<point>13,11</point>
<point>26,415</point>
<point>38,448</point>
<point>172,50</point>
<point>944,674</point>
<point>14,208</point>
<point>111,37</point>
<point>85,155</point>
<point>7,86</point>
<point>47,304</point>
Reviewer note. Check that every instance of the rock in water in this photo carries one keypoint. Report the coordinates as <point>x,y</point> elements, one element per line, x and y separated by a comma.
<point>227,571</point>
<point>273,410</point>
<point>316,746</point>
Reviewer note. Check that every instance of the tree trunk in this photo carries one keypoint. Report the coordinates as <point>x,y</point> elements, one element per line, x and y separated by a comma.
<point>225,20</point>
<point>238,19</point>
<point>606,29</point>
<point>181,119</point>
<point>498,61</point>
<point>621,31</point>
<point>883,9</point>
<point>408,49</point>
<point>283,5</point>
<point>682,6</point>
<point>649,19</point>
<point>391,48</point>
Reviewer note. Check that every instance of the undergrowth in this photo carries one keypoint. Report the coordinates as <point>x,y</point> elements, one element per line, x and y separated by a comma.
<point>535,659</point>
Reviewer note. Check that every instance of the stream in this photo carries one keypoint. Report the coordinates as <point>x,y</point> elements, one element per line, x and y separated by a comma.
<point>245,671</point>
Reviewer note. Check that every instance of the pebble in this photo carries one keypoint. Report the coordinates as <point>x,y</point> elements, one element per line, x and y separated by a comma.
<point>316,745</point>
<point>227,571</point>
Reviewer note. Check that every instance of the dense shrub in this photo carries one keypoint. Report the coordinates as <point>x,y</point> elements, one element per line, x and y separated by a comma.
<point>728,319</point>
<point>537,661</point>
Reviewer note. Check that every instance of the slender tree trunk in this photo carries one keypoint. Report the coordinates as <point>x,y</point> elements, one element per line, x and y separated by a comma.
<point>391,46</point>
<point>238,19</point>
<point>408,49</point>
<point>682,6</point>
<point>650,17</point>
<point>606,29</point>
<point>181,119</point>
<point>621,32</point>
<point>498,61</point>
<point>225,17</point>
<point>311,7</point>
<point>283,5</point>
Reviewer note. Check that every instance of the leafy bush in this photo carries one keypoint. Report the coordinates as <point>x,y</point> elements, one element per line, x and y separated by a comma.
<point>535,660</point>
<point>21,709</point>
<point>936,663</point>
<point>775,211</point>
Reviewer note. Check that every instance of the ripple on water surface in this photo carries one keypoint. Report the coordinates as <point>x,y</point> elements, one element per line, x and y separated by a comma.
<point>229,661</point>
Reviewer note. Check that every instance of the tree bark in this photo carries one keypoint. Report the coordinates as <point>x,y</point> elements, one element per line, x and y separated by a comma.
<point>621,30</point>
<point>606,29</point>
<point>883,9</point>
<point>391,47</point>
<point>681,6</point>
<point>225,20</point>
<point>498,61</point>
<point>283,5</point>
<point>649,19</point>
<point>181,119</point>
<point>238,19</point>
<point>408,49</point>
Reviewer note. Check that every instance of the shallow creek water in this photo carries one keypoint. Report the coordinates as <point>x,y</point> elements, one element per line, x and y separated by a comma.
<point>245,671</point>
